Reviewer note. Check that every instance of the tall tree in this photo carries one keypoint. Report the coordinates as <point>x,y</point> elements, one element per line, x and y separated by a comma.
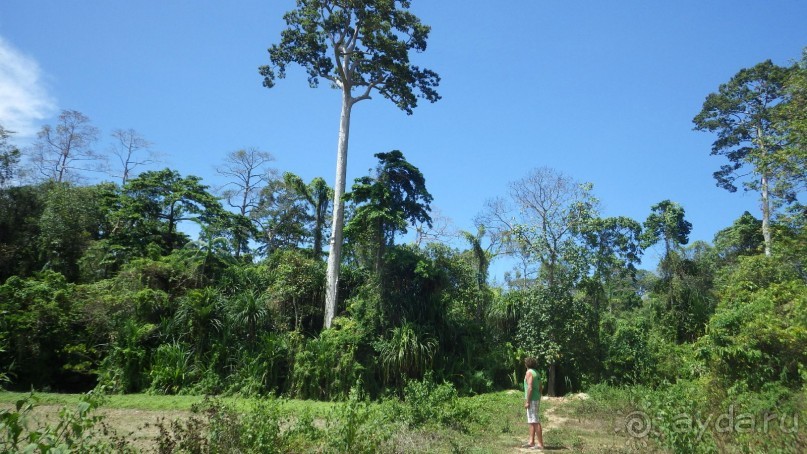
<point>743,114</point>
<point>358,46</point>
<point>615,247</point>
<point>282,218</point>
<point>667,223</point>
<point>387,201</point>
<point>132,150</point>
<point>153,204</point>
<point>248,172</point>
<point>542,224</point>
<point>61,152</point>
<point>683,284</point>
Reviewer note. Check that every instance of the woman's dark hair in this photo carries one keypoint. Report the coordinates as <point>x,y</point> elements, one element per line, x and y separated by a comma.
<point>531,362</point>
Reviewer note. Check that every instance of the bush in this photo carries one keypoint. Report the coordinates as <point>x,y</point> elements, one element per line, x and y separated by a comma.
<point>171,371</point>
<point>671,415</point>
<point>763,421</point>
<point>326,367</point>
<point>218,427</point>
<point>426,402</point>
<point>354,427</point>
<point>700,417</point>
<point>759,335</point>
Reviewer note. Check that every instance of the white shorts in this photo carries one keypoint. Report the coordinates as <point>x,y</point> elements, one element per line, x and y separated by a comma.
<point>533,412</point>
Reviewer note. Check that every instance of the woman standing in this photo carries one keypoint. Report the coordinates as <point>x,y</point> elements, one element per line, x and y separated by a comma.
<point>532,402</point>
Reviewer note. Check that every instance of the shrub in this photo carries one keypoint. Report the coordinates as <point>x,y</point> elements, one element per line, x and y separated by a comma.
<point>760,337</point>
<point>406,353</point>
<point>326,367</point>
<point>672,414</point>
<point>426,402</point>
<point>353,427</point>
<point>171,370</point>
<point>257,428</point>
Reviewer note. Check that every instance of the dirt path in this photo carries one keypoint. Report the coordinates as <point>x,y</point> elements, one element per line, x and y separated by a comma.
<point>566,429</point>
<point>550,422</point>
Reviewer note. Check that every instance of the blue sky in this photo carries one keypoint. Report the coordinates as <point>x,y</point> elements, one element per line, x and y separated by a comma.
<point>602,91</point>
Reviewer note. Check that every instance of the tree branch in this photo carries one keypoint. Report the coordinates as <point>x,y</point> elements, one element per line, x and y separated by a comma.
<point>366,94</point>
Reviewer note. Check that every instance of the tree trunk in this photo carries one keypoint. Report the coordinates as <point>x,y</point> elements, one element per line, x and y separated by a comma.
<point>766,202</point>
<point>335,254</point>
<point>318,232</point>
<point>62,167</point>
<point>766,214</point>
<point>550,382</point>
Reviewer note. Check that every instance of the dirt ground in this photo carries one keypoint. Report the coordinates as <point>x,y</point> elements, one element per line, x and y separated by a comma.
<point>139,427</point>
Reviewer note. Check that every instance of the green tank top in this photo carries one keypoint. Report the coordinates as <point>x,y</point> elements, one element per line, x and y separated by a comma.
<point>536,385</point>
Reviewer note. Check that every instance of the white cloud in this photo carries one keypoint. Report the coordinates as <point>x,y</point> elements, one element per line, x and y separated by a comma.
<point>24,101</point>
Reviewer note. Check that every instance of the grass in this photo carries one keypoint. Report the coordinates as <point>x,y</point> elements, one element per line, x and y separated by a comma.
<point>497,423</point>
<point>151,402</point>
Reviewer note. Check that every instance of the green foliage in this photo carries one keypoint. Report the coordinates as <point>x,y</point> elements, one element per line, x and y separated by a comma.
<point>249,314</point>
<point>765,420</point>
<point>371,40</point>
<point>199,318</point>
<point>697,417</point>
<point>554,329</point>
<point>281,216</point>
<point>413,286</point>
<point>256,427</point>
<point>39,322</point>
<point>406,353</point>
<point>666,223</point>
<point>124,368</point>
<point>384,204</point>
<point>153,204</point>
<point>684,301</point>
<point>317,194</point>
<point>265,370</point>
<point>20,210</point>
<point>101,259</point>
<point>615,249</point>
<point>297,288</point>
<point>328,366</point>
<point>627,359</point>
<point>427,402</point>
<point>759,332</point>
<point>673,412</point>
<point>353,427</point>
<point>171,370</point>
<point>71,218</point>
<point>744,237</point>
